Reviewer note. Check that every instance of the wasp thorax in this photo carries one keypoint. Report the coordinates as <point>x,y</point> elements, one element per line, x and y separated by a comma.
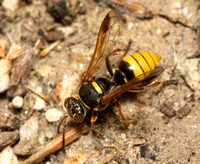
<point>75,109</point>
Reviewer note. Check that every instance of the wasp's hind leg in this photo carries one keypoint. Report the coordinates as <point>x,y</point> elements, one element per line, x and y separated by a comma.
<point>121,116</point>
<point>144,88</point>
<point>108,63</point>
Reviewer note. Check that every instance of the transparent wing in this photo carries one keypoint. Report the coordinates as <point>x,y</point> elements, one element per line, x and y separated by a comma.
<point>141,80</point>
<point>106,40</point>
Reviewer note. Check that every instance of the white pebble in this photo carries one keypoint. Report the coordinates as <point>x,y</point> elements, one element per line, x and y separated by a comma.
<point>53,115</point>
<point>49,133</point>
<point>48,162</point>
<point>39,103</point>
<point>10,5</point>
<point>8,157</point>
<point>123,135</point>
<point>130,25</point>
<point>185,11</point>
<point>177,5</point>
<point>66,30</point>
<point>29,130</point>
<point>158,31</point>
<point>17,102</point>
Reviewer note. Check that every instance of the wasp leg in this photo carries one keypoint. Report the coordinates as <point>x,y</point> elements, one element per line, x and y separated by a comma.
<point>154,84</point>
<point>121,115</point>
<point>93,120</point>
<point>67,118</point>
<point>144,88</point>
<point>108,63</point>
<point>128,47</point>
<point>169,82</point>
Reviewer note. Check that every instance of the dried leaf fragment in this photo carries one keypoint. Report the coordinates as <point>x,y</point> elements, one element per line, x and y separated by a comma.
<point>183,112</point>
<point>8,120</point>
<point>8,138</point>
<point>146,152</point>
<point>137,9</point>
<point>167,110</point>
<point>5,66</point>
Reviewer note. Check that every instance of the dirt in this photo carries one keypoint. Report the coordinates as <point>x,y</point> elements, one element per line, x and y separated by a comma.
<point>173,36</point>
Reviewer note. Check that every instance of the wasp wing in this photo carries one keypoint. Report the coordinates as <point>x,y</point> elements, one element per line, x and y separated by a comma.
<point>106,41</point>
<point>141,80</point>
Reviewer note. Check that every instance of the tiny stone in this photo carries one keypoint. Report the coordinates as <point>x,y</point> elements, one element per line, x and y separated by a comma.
<point>29,130</point>
<point>185,11</point>
<point>53,115</point>
<point>7,156</point>
<point>39,104</point>
<point>29,134</point>
<point>177,5</point>
<point>48,133</point>
<point>48,162</point>
<point>10,5</point>
<point>17,102</point>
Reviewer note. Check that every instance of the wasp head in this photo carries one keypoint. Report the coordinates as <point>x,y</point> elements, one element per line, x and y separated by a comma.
<point>75,109</point>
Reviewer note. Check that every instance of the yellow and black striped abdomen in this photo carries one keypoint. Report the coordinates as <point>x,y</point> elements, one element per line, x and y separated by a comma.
<point>134,65</point>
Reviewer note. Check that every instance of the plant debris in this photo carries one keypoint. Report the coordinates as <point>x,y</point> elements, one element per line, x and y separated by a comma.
<point>70,135</point>
<point>167,110</point>
<point>8,120</point>
<point>61,12</point>
<point>136,9</point>
<point>8,138</point>
<point>146,152</point>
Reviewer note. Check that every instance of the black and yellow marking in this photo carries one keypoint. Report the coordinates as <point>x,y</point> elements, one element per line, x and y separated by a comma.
<point>97,87</point>
<point>135,65</point>
<point>142,62</point>
<point>83,102</point>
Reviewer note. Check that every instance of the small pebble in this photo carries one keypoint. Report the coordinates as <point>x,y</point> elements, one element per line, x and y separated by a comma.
<point>39,104</point>
<point>30,129</point>
<point>46,71</point>
<point>48,162</point>
<point>48,133</point>
<point>53,115</point>
<point>17,102</point>
<point>177,5</point>
<point>10,5</point>
<point>185,11</point>
<point>29,134</point>
<point>66,88</point>
<point>7,156</point>
<point>67,31</point>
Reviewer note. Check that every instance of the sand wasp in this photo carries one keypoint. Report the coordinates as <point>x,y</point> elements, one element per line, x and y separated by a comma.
<point>135,73</point>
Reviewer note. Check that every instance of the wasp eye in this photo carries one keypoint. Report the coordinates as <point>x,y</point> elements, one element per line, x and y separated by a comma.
<point>79,116</point>
<point>75,109</point>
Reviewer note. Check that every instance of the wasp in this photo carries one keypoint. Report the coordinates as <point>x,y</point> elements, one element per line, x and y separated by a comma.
<point>135,73</point>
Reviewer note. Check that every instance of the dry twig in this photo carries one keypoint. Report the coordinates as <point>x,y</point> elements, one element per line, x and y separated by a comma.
<point>38,94</point>
<point>45,51</point>
<point>71,135</point>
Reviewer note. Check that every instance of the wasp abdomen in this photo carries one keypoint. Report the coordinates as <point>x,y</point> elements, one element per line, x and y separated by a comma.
<point>135,65</point>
